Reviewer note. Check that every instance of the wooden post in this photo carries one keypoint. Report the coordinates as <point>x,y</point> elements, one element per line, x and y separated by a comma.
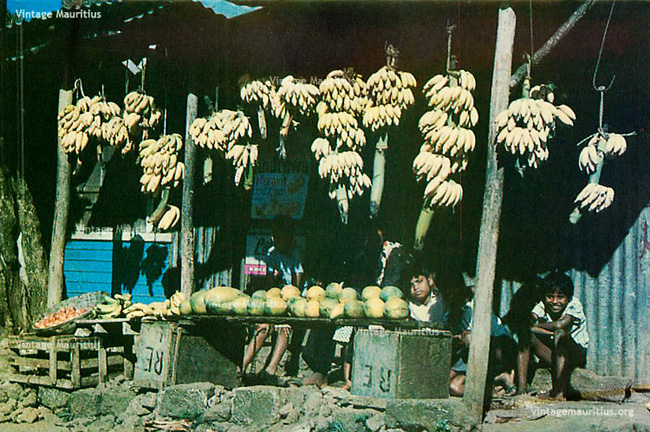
<point>187,222</point>
<point>487,249</point>
<point>57,251</point>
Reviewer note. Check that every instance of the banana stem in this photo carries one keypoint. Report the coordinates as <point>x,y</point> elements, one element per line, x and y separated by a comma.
<point>162,206</point>
<point>594,177</point>
<point>261,121</point>
<point>250,176</point>
<point>342,202</point>
<point>378,175</point>
<point>422,227</point>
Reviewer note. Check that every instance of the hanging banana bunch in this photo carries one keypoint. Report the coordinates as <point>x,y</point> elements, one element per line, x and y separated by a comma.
<point>225,131</point>
<point>448,140</point>
<point>294,97</point>
<point>345,172</point>
<point>525,127</point>
<point>342,100</point>
<point>602,144</point>
<point>160,162</point>
<point>261,94</point>
<point>389,94</point>
<point>140,109</point>
<point>86,119</point>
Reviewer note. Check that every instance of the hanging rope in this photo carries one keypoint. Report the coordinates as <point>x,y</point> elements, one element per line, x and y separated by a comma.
<point>530,25</point>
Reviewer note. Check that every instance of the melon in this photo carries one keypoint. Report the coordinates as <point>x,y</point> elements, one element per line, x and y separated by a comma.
<point>185,308</point>
<point>297,307</point>
<point>333,290</point>
<point>275,306</point>
<point>371,292</point>
<point>390,291</point>
<point>396,308</point>
<point>274,292</point>
<point>354,309</point>
<point>217,300</point>
<point>348,294</point>
<point>289,292</point>
<point>312,308</point>
<point>326,306</point>
<point>374,308</point>
<point>256,306</point>
<point>197,302</point>
<point>337,311</point>
<point>315,293</point>
<point>239,306</point>
<point>259,294</point>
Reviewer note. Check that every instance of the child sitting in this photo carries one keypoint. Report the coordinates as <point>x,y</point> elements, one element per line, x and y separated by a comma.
<point>558,335</point>
<point>425,302</point>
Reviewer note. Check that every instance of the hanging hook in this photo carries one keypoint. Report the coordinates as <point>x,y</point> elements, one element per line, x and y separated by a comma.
<point>602,88</point>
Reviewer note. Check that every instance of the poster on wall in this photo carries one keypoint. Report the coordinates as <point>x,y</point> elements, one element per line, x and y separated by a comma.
<point>279,194</point>
<point>257,248</point>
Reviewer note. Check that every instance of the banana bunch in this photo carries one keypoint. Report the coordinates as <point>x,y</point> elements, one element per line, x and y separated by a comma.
<point>160,163</point>
<point>222,130</point>
<point>345,173</point>
<point>342,92</point>
<point>140,109</point>
<point>295,96</point>
<point>175,301</point>
<point>595,197</point>
<point>389,93</point>
<point>116,134</point>
<point>139,310</point>
<point>170,218</point>
<point>258,92</point>
<point>600,145</point>
<point>84,120</point>
<point>526,125</point>
<point>242,156</point>
<point>111,307</point>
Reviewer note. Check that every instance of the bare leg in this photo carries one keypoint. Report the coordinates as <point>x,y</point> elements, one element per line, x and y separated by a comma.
<point>347,367</point>
<point>280,346</point>
<point>523,360</point>
<point>255,344</point>
<point>560,370</point>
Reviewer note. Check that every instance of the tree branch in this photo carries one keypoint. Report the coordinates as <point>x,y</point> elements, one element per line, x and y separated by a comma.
<point>552,41</point>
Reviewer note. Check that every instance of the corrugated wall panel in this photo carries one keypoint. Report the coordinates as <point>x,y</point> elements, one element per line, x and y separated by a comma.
<point>617,305</point>
<point>204,240</point>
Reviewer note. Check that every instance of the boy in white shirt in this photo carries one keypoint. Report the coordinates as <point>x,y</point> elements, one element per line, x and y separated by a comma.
<point>425,303</point>
<point>558,335</point>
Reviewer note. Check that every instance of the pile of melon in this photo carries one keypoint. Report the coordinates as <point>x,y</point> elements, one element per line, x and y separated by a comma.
<point>333,302</point>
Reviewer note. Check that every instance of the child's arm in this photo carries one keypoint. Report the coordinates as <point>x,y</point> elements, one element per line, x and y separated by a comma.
<point>564,323</point>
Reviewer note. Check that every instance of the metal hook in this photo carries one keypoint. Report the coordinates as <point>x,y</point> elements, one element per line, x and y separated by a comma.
<point>602,88</point>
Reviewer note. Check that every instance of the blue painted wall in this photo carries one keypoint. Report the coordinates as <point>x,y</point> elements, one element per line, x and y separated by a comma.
<point>134,267</point>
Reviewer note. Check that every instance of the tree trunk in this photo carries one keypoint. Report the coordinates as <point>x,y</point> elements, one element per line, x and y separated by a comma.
<point>12,313</point>
<point>57,252</point>
<point>489,234</point>
<point>187,207</point>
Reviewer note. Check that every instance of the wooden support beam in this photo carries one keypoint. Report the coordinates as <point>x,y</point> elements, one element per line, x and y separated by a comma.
<point>57,251</point>
<point>479,351</point>
<point>187,221</point>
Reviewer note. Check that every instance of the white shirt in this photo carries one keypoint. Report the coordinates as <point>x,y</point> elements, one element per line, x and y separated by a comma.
<point>431,312</point>
<point>574,308</point>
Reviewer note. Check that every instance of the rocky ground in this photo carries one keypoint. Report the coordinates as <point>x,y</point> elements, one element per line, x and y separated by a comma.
<point>207,407</point>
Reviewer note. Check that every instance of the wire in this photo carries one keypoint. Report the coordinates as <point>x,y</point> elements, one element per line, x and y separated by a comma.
<point>530,25</point>
<point>600,54</point>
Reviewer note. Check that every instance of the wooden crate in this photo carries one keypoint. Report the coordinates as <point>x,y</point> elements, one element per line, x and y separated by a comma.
<point>169,353</point>
<point>411,364</point>
<point>66,362</point>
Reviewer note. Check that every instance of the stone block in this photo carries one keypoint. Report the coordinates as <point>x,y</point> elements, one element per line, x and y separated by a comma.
<point>426,413</point>
<point>184,401</point>
<point>258,405</point>
<point>53,398</point>
<point>85,403</point>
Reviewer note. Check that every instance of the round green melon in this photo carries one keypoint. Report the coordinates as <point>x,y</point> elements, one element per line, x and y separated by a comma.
<point>354,309</point>
<point>326,306</point>
<point>333,290</point>
<point>197,302</point>
<point>370,292</point>
<point>256,306</point>
<point>390,291</point>
<point>275,306</point>
<point>348,294</point>
<point>297,307</point>
<point>374,308</point>
<point>239,306</point>
<point>259,294</point>
<point>396,308</point>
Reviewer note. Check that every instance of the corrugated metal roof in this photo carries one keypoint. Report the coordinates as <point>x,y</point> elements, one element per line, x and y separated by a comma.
<point>617,305</point>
